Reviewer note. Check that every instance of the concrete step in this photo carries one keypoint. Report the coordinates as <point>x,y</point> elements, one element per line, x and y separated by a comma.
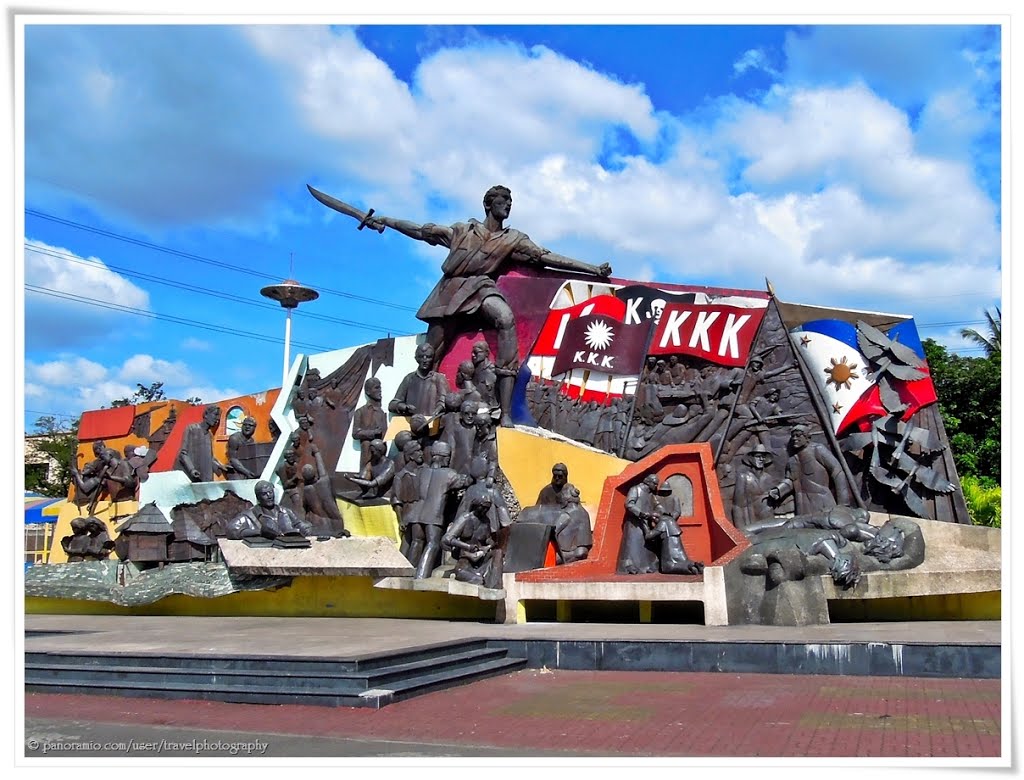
<point>282,673</point>
<point>267,680</point>
<point>246,692</point>
<point>253,662</point>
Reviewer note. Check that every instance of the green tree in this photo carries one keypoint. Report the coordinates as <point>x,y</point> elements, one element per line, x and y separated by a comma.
<point>153,392</point>
<point>993,342</point>
<point>984,501</point>
<point>969,391</point>
<point>59,440</point>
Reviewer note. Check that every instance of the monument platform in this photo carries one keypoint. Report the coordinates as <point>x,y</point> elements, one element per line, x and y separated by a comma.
<point>315,661</point>
<point>372,556</point>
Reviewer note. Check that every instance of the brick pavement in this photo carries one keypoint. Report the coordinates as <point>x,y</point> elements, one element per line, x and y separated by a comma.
<point>624,714</point>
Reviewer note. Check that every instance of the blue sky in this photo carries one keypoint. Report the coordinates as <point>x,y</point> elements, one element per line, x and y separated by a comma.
<point>165,171</point>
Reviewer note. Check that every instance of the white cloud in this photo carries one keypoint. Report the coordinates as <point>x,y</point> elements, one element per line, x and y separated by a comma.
<point>753,59</point>
<point>198,345</point>
<point>74,383</point>
<point>949,121</point>
<point>64,312</point>
<point>906,63</point>
<point>62,271</point>
<point>210,393</point>
<point>146,369</point>
<point>799,137</point>
<point>65,372</point>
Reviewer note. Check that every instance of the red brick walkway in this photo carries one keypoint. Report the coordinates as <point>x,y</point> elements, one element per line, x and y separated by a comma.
<point>625,714</point>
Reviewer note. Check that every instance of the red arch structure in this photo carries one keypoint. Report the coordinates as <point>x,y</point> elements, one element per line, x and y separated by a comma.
<point>708,536</point>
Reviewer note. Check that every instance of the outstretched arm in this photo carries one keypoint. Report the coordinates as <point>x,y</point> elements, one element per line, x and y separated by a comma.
<point>429,232</point>
<point>528,252</point>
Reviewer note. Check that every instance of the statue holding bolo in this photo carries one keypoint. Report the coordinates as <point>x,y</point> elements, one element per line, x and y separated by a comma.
<point>478,254</point>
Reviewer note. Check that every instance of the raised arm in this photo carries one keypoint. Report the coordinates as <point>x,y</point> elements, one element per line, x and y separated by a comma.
<point>429,232</point>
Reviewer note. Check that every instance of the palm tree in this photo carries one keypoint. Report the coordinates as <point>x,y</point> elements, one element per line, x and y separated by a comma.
<point>992,343</point>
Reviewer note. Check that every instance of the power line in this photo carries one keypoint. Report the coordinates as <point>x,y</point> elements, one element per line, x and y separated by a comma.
<point>212,293</point>
<point>950,324</point>
<point>202,259</point>
<point>53,414</point>
<point>168,318</point>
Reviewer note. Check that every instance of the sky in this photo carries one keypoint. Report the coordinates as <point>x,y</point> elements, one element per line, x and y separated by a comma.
<point>165,173</point>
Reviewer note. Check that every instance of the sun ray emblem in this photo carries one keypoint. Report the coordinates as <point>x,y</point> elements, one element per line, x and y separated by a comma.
<point>598,335</point>
<point>840,373</point>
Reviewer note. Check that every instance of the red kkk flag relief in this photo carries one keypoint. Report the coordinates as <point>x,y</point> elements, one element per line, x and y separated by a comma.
<point>600,343</point>
<point>720,334</point>
<point>552,335</point>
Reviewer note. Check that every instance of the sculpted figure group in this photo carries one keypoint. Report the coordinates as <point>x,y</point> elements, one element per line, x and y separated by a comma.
<point>447,484</point>
<point>651,537</point>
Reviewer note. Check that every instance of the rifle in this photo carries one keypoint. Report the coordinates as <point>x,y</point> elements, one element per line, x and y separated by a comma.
<point>104,475</point>
<point>770,419</point>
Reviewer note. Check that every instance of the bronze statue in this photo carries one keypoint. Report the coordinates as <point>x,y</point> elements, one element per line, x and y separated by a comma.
<point>556,493</point>
<point>750,502</point>
<point>464,382</point>
<point>485,377</point>
<point>604,437</point>
<point>319,507</point>
<point>195,457</point>
<point>419,427</point>
<point>369,421</point>
<point>812,473</point>
<point>460,435</point>
<point>109,475</point>
<point>485,445</point>
<point>641,513</point>
<point>88,481</point>
<point>135,457</point>
<point>238,442</point>
<point>426,517</point>
<point>479,252</point>
<point>421,391</point>
<point>405,490</point>
<point>303,436</point>
<point>499,517</point>
<point>883,544</point>
<point>471,539</point>
<point>290,475</point>
<point>89,540</point>
<point>664,531</point>
<point>755,419</point>
<point>399,443</point>
<point>267,519</point>
<point>377,475</point>
<point>573,534</point>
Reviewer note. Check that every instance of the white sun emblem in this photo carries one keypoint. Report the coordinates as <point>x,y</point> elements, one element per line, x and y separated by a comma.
<point>598,335</point>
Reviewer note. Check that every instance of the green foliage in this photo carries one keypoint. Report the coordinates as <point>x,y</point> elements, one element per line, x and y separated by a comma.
<point>153,392</point>
<point>993,342</point>
<point>969,390</point>
<point>60,442</point>
<point>984,501</point>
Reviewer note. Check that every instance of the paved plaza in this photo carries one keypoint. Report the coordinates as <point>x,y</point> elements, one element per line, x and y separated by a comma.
<point>581,713</point>
<point>532,712</point>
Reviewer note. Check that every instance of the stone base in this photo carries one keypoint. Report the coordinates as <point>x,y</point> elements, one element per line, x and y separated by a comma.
<point>450,586</point>
<point>709,590</point>
<point>356,556</point>
<point>126,585</point>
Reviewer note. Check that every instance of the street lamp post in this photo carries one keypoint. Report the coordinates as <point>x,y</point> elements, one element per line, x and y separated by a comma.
<point>289,294</point>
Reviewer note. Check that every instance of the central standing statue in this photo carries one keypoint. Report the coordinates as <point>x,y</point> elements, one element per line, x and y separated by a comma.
<point>479,253</point>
